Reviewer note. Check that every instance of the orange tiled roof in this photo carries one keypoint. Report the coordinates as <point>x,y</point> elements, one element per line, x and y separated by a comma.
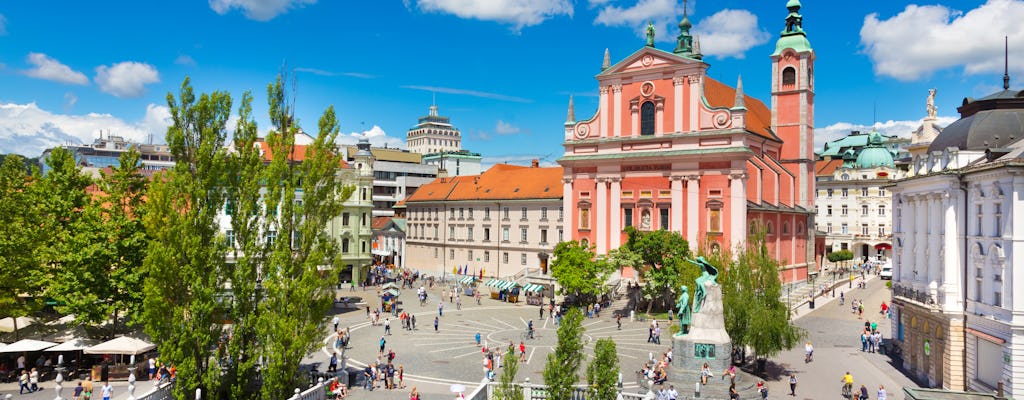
<point>500,182</point>
<point>298,153</point>
<point>827,167</point>
<point>379,222</point>
<point>759,117</point>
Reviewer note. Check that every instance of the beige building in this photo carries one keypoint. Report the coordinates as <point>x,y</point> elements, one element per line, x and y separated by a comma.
<point>503,221</point>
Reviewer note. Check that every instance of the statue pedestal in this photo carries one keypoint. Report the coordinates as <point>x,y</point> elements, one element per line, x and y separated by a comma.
<point>707,341</point>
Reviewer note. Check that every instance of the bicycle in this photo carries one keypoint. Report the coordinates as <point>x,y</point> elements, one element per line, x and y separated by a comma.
<point>848,391</point>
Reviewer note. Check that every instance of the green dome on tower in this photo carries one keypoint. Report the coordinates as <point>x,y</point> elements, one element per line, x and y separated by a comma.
<point>875,154</point>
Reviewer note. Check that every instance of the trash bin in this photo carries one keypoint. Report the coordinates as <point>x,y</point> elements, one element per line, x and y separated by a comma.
<point>811,303</point>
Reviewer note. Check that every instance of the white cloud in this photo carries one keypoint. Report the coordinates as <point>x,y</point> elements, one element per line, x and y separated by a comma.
<point>519,13</point>
<point>185,59</point>
<point>3,25</point>
<point>662,13</point>
<point>259,10</point>
<point>923,39</point>
<point>376,135</point>
<point>27,129</point>
<point>505,128</point>
<point>69,100</point>
<point>126,79</point>
<point>52,70</point>
<point>321,72</point>
<point>729,33</point>
<point>901,128</point>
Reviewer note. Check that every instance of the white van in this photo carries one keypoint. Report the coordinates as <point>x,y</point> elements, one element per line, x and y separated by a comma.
<point>886,271</point>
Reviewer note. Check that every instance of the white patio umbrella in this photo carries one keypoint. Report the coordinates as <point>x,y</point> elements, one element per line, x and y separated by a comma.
<point>26,345</point>
<point>122,345</point>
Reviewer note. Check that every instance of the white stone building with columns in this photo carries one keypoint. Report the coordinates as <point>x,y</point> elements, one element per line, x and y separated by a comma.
<point>957,238</point>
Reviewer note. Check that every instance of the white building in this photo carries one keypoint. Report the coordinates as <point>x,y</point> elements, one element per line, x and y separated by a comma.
<point>455,163</point>
<point>502,221</point>
<point>433,134</point>
<point>854,208</point>
<point>958,236</point>
<point>397,173</point>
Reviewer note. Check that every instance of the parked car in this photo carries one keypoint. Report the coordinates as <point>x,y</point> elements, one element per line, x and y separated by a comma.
<point>886,272</point>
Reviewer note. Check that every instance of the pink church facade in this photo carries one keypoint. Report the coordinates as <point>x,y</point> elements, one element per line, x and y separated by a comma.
<point>672,148</point>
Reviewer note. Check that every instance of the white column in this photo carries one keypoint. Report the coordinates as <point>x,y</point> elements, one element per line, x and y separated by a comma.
<point>659,118</point>
<point>692,208</point>
<point>737,208</point>
<point>617,121</point>
<point>694,87</point>
<point>567,210</point>
<point>604,111</point>
<point>907,234</point>
<point>921,264</point>
<point>677,104</point>
<point>934,261</point>
<point>615,213</point>
<point>953,243</point>
<point>601,209</point>
<point>634,118</point>
<point>1016,221</point>
<point>676,214</point>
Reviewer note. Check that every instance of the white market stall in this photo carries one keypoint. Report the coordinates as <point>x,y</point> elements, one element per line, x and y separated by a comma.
<point>27,346</point>
<point>123,346</point>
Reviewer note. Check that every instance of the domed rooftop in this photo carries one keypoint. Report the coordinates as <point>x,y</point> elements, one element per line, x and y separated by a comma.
<point>993,121</point>
<point>875,154</point>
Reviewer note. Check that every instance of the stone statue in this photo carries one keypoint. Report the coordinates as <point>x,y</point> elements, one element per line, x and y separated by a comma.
<point>645,220</point>
<point>931,103</point>
<point>708,273</point>
<point>650,34</point>
<point>683,305</point>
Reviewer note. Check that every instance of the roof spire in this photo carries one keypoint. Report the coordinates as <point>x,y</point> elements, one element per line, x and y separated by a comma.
<point>696,48</point>
<point>571,115</point>
<point>684,42</point>
<point>433,104</point>
<point>1006,63</point>
<point>739,103</point>
<point>607,60</point>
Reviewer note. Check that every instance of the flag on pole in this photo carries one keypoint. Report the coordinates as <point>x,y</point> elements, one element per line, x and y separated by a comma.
<point>455,270</point>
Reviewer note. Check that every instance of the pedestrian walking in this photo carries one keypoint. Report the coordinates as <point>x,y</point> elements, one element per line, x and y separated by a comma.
<point>387,326</point>
<point>792,385</point>
<point>458,303</point>
<point>522,351</point>
<point>881,392</point>
<point>618,322</point>
<point>33,380</point>
<point>336,321</point>
<point>401,376</point>
<point>23,383</point>
<point>440,308</point>
<point>541,317</point>
<point>107,390</point>
<point>382,343</point>
<point>435,324</point>
<point>477,337</point>
<point>332,366</point>
<point>412,320</point>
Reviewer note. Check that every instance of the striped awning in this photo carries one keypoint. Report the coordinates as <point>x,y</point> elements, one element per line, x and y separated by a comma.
<point>532,288</point>
<point>467,280</point>
<point>491,282</point>
<point>499,284</point>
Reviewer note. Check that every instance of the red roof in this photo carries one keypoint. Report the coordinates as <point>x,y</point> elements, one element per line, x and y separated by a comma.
<point>500,182</point>
<point>827,167</point>
<point>299,153</point>
<point>379,223</point>
<point>759,117</point>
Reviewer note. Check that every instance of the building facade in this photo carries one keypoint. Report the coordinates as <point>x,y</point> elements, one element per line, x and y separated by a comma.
<point>672,148</point>
<point>433,134</point>
<point>396,174</point>
<point>455,163</point>
<point>389,240</point>
<point>853,205</point>
<point>503,221</point>
<point>106,153</point>
<point>958,236</point>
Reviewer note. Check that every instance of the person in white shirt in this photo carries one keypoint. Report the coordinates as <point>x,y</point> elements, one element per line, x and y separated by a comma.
<point>809,350</point>
<point>672,393</point>
<point>21,361</point>
<point>107,390</point>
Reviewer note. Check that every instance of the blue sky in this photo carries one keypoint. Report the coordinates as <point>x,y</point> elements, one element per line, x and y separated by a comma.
<point>501,69</point>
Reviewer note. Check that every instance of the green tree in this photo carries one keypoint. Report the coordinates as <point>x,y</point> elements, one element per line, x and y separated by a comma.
<point>577,271</point>
<point>21,236</point>
<point>185,262</point>
<point>603,371</point>
<point>307,196</point>
<point>507,388</point>
<point>561,373</point>
<point>105,249</point>
<point>755,314</point>
<point>664,268</point>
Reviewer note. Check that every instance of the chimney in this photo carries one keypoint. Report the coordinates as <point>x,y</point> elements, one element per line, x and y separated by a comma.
<point>534,163</point>
<point>443,174</point>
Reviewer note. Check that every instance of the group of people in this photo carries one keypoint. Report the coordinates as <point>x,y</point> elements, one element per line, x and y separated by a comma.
<point>862,392</point>
<point>379,375</point>
<point>656,370</point>
<point>654,332</point>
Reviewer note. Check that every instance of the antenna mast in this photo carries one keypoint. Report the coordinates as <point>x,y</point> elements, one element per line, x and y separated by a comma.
<point>1006,63</point>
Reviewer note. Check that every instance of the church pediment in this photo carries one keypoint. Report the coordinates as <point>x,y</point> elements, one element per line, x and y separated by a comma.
<point>650,58</point>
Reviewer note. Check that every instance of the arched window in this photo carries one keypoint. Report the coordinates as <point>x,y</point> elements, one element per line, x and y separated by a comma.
<point>585,243</point>
<point>647,118</point>
<point>789,76</point>
<point>785,228</point>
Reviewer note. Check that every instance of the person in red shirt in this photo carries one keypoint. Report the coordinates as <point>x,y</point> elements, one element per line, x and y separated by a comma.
<point>522,351</point>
